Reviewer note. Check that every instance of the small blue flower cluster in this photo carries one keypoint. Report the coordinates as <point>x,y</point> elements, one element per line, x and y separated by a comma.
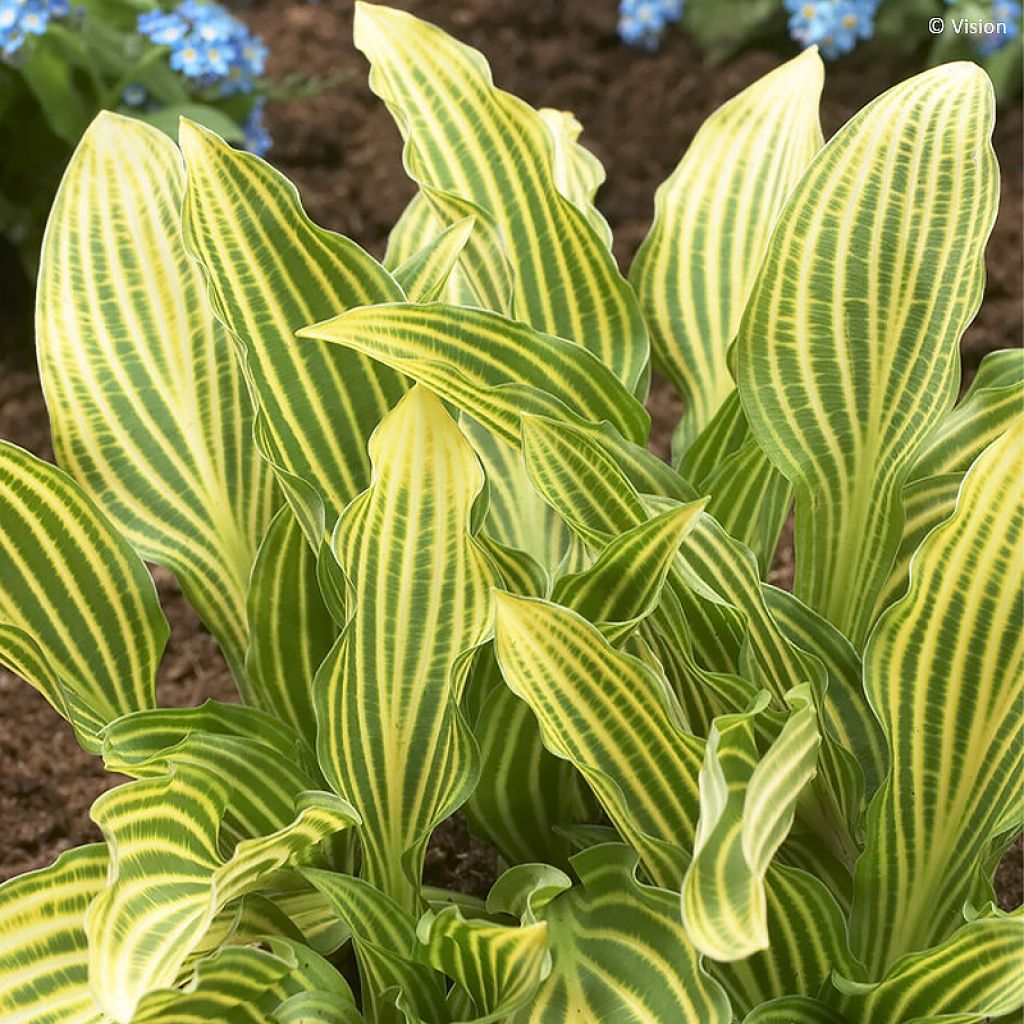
<point>641,22</point>
<point>1004,13</point>
<point>22,18</point>
<point>834,26</point>
<point>207,44</point>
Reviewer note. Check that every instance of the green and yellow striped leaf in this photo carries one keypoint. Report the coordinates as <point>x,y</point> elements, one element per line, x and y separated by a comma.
<point>170,878</point>
<point>270,271</point>
<point>384,938</point>
<point>292,629</point>
<point>44,960</point>
<point>425,276</point>
<point>716,584</point>
<point>578,173</point>
<point>43,957</point>
<point>147,409</point>
<point>808,942</point>
<point>468,140</point>
<point>268,764</point>
<point>747,804</point>
<point>848,715</point>
<point>943,672</point>
<point>79,615</point>
<point>492,368</point>
<point>624,584</point>
<point>989,408</point>
<point>794,1010</point>
<point>972,977</point>
<point>524,794</point>
<point>614,718</point>
<point>620,953</point>
<point>391,737</point>
<point>847,351</point>
<point>712,222</point>
<point>500,967</point>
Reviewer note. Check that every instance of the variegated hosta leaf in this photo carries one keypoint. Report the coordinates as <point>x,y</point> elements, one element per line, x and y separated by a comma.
<point>847,352</point>
<point>578,173</point>
<point>425,276</point>
<point>44,959</point>
<point>713,218</point>
<point>794,1010</point>
<point>524,792</point>
<point>43,967</point>
<point>292,629</point>
<point>490,367</point>
<point>943,673</point>
<point>270,271</point>
<point>808,942</point>
<point>498,966</point>
<point>988,409</point>
<point>747,804</point>
<point>384,938</point>
<point>713,572</point>
<point>849,717</point>
<point>170,877</point>
<point>266,761</point>
<point>624,584</point>
<point>466,139</point>
<point>268,765</point>
<point>579,475</point>
<point>147,409</point>
<point>620,953</point>
<point>517,516</point>
<point>926,503</point>
<point>749,496</point>
<point>614,718</point>
<point>972,977</point>
<point>391,737</point>
<point>79,615</point>
<point>313,992</point>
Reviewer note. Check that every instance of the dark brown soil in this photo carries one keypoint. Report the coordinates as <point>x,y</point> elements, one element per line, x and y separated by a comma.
<point>342,150</point>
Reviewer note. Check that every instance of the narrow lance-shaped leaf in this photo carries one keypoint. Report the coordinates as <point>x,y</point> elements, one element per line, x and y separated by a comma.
<point>989,408</point>
<point>747,808</point>
<point>470,140</point>
<point>270,270</point>
<point>614,718</point>
<point>490,367</point>
<point>79,615</point>
<point>147,409</point>
<point>292,629</point>
<point>847,352</point>
<point>943,673</point>
<point>384,939</point>
<point>713,218</point>
<point>525,793</point>
<point>391,737</point>
<point>426,274</point>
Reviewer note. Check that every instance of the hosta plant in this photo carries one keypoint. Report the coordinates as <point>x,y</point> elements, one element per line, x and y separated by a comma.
<point>413,503</point>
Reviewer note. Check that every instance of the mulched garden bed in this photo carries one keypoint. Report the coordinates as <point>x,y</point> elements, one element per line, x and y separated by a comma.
<point>342,150</point>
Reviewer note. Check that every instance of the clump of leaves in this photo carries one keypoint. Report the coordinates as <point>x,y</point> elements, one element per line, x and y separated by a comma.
<point>412,502</point>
